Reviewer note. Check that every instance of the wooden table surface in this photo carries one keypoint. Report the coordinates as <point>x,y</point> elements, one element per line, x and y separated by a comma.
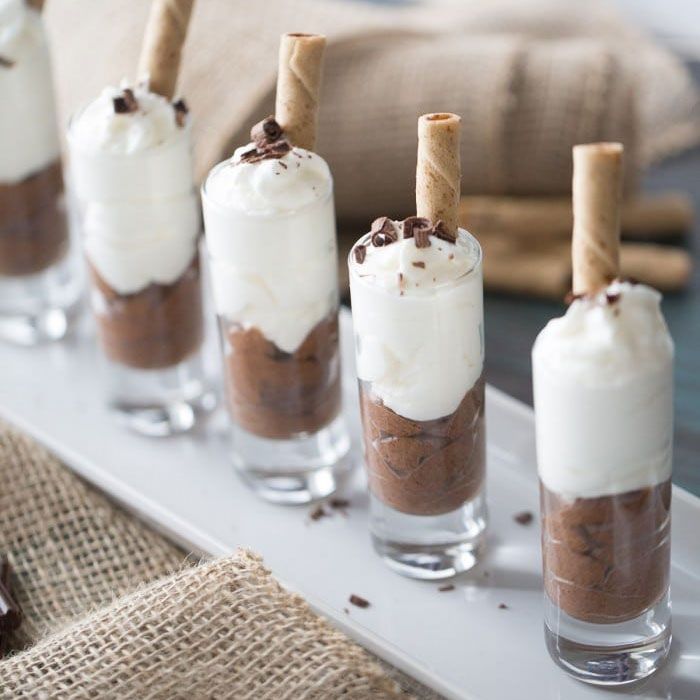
<point>512,325</point>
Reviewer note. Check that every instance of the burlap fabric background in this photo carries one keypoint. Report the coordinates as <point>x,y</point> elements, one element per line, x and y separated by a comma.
<point>530,78</point>
<point>96,628</point>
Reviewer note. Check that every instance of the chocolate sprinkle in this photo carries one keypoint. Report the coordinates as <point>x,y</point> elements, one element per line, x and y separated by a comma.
<point>360,254</point>
<point>339,503</point>
<point>6,62</point>
<point>502,606</point>
<point>524,518</point>
<point>446,587</point>
<point>418,263</point>
<point>359,601</point>
<point>181,111</point>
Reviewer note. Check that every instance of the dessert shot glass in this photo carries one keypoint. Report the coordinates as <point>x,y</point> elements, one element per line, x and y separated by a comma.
<point>276,293</point>
<point>39,284</point>
<point>605,536</point>
<point>271,241</point>
<point>140,222</point>
<point>603,394</point>
<point>420,352</point>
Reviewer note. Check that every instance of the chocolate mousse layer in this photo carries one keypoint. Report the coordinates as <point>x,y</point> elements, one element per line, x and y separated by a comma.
<point>606,559</point>
<point>276,394</point>
<point>155,328</point>
<point>425,467</point>
<point>33,226</point>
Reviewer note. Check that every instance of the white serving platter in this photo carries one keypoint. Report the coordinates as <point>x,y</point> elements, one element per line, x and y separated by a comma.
<point>458,642</point>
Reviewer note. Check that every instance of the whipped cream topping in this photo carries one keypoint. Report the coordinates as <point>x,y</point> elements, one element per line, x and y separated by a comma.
<point>28,133</point>
<point>132,173</point>
<point>603,385</point>
<point>271,186</point>
<point>270,235</point>
<point>418,320</point>
<point>98,129</point>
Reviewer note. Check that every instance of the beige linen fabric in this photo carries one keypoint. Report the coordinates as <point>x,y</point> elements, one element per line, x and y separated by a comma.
<point>530,79</point>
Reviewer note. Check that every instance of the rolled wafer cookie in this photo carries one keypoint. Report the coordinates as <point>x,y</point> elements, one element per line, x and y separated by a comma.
<point>438,170</point>
<point>161,51</point>
<point>298,85</point>
<point>597,189</point>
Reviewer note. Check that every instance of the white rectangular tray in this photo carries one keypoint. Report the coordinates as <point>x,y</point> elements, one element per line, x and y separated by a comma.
<point>458,642</point>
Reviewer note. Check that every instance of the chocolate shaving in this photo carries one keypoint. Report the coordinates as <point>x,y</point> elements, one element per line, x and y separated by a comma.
<point>502,606</point>
<point>270,142</point>
<point>421,237</point>
<point>6,62</point>
<point>383,231</point>
<point>359,601</point>
<point>612,298</point>
<point>181,112</point>
<point>266,132</point>
<point>524,518</point>
<point>360,254</point>
<point>419,263</point>
<point>412,223</point>
<point>446,587</point>
<point>339,503</point>
<point>126,103</point>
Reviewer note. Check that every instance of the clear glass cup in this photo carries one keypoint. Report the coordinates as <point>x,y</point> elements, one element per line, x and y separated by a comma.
<point>426,477</point>
<point>39,284</point>
<point>606,558</point>
<point>151,337</point>
<point>289,438</point>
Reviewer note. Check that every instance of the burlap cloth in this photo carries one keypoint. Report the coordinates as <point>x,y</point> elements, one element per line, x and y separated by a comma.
<point>113,610</point>
<point>530,78</point>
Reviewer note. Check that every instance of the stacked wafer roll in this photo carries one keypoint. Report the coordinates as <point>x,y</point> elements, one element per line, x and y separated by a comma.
<point>438,171</point>
<point>159,63</point>
<point>298,86</point>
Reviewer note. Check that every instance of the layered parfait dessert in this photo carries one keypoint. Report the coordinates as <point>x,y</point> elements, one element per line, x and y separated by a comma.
<point>33,223</point>
<point>132,171</point>
<point>417,303</point>
<point>603,390</point>
<point>270,229</point>
<point>271,240</point>
<point>603,394</point>
<point>130,157</point>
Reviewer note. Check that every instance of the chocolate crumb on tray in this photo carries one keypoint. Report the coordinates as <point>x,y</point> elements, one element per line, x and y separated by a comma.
<point>359,601</point>
<point>446,587</point>
<point>524,518</point>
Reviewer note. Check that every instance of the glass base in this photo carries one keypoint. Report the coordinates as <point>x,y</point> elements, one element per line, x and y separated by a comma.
<point>615,654</point>
<point>160,402</point>
<point>429,547</point>
<point>40,307</point>
<point>295,471</point>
